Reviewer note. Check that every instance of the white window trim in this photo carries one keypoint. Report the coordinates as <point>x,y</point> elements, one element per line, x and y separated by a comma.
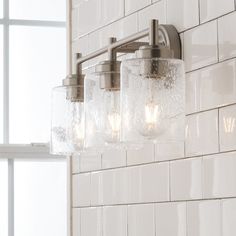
<point>8,151</point>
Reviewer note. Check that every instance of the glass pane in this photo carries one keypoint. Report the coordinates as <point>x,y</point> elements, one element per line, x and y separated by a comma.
<point>38,9</point>
<point>3,198</point>
<point>1,84</point>
<point>40,198</point>
<point>37,63</point>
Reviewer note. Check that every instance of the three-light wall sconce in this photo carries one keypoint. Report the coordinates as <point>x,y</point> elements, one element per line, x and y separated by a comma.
<point>123,105</point>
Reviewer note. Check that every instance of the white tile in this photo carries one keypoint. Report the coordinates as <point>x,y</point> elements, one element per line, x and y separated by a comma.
<point>202,133</point>
<point>219,175</point>
<point>90,162</point>
<point>135,5</point>
<point>81,190</point>
<point>148,183</point>
<point>204,218</point>
<point>96,188</point>
<point>210,9</point>
<point>123,28</point>
<point>169,151</point>
<point>229,217</point>
<point>228,128</point>
<point>81,45</point>
<point>88,17</point>
<point>211,87</point>
<point>111,10</point>
<point>115,221</point>
<point>144,155</point>
<point>192,87</point>
<point>114,186</point>
<point>75,164</point>
<point>227,36</point>
<point>183,14</point>
<point>186,179</point>
<point>141,220</point>
<point>95,39</point>
<point>91,222</point>
<point>200,46</point>
<point>155,11</point>
<point>171,219</point>
<point>113,158</point>
<point>76,222</point>
<point>218,85</point>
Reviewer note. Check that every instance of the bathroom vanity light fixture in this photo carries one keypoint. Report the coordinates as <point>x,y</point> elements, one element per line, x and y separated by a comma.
<point>140,101</point>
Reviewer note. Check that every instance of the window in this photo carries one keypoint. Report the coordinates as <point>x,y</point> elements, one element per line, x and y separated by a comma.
<point>32,61</point>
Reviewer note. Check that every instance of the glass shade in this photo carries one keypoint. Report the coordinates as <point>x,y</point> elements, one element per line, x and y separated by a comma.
<point>67,124</point>
<point>102,115</point>
<point>152,100</point>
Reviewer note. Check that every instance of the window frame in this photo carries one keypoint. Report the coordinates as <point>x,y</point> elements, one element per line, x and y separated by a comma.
<point>10,151</point>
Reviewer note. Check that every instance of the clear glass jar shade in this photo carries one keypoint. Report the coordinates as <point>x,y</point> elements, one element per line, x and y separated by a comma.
<point>102,115</point>
<point>67,123</point>
<point>152,100</point>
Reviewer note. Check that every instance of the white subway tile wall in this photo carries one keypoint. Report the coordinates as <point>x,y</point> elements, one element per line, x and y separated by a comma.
<point>167,188</point>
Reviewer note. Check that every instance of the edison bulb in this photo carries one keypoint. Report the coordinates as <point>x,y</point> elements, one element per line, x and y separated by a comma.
<point>114,121</point>
<point>151,115</point>
<point>75,127</point>
<point>112,117</point>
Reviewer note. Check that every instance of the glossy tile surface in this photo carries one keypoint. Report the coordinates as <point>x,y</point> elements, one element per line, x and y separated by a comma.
<point>90,162</point>
<point>219,175</point>
<point>228,217</point>
<point>76,222</point>
<point>192,92</point>
<point>91,222</point>
<point>183,14</point>
<point>202,133</point>
<point>114,186</point>
<point>81,190</point>
<point>144,155</point>
<point>115,221</point>
<point>227,123</point>
<point>218,85</point>
<point>210,9</point>
<point>186,179</point>
<point>169,151</point>
<point>141,220</point>
<point>171,219</point>
<point>113,158</point>
<point>204,218</point>
<point>96,189</point>
<point>134,5</point>
<point>200,46</point>
<point>227,37</point>
<point>148,183</point>
<point>155,11</point>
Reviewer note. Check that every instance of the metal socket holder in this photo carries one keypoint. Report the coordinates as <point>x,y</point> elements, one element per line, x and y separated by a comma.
<point>164,42</point>
<point>75,84</point>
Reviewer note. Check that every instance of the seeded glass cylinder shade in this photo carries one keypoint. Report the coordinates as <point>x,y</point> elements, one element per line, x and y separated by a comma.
<point>102,115</point>
<point>67,122</point>
<point>152,100</point>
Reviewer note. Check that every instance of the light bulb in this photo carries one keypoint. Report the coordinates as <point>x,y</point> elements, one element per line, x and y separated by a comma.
<point>112,117</point>
<point>151,114</point>
<point>114,120</point>
<point>75,128</point>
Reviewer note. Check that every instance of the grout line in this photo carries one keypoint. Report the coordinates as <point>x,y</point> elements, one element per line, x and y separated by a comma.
<point>199,12</point>
<point>182,31</point>
<point>210,109</point>
<point>156,202</point>
<point>155,162</point>
<point>218,128</point>
<point>210,65</point>
<point>217,40</point>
